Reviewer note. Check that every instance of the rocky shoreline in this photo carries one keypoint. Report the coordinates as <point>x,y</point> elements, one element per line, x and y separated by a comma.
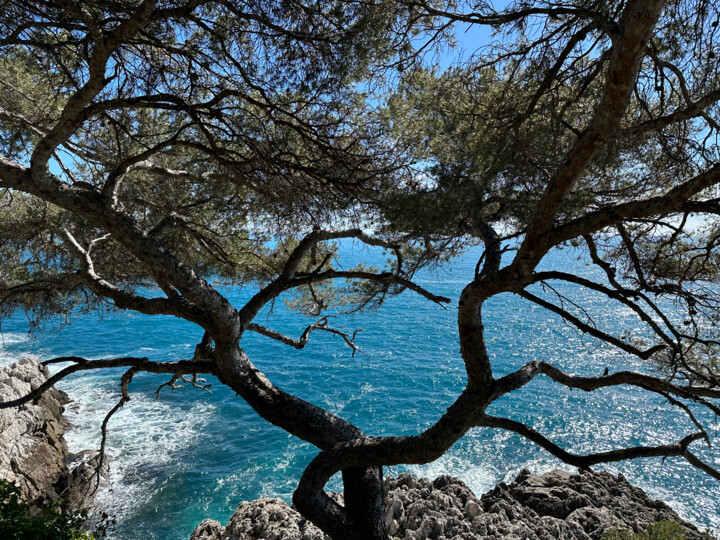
<point>554,506</point>
<point>33,451</point>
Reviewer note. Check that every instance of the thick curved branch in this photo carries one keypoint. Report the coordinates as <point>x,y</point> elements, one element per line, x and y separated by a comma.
<point>163,264</point>
<point>468,411</point>
<point>492,256</point>
<point>125,300</point>
<point>115,177</point>
<point>525,374</point>
<point>637,21</point>
<point>674,200</point>
<point>587,460</point>
<point>310,498</point>
<point>301,418</point>
<point>692,110</point>
<point>70,118</point>
<point>314,503</point>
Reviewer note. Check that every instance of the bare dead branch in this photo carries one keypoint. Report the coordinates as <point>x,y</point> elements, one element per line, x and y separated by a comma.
<point>124,398</point>
<point>172,383</point>
<point>320,325</point>
<point>174,305</point>
<point>140,364</point>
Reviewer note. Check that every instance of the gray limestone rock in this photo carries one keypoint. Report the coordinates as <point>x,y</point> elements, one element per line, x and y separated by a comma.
<point>33,452</point>
<point>209,529</point>
<point>552,506</point>
<point>268,519</point>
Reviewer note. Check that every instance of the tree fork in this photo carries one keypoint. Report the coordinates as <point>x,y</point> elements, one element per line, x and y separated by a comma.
<point>363,487</point>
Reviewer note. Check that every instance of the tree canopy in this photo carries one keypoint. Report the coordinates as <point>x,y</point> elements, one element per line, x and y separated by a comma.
<point>151,149</point>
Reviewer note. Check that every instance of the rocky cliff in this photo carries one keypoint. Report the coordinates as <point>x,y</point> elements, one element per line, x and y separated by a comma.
<point>33,452</point>
<point>552,506</point>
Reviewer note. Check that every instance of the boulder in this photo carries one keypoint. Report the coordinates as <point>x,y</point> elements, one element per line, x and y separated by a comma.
<point>554,506</point>
<point>33,451</point>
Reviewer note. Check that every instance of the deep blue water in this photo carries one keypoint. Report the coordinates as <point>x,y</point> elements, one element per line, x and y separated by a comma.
<point>192,455</point>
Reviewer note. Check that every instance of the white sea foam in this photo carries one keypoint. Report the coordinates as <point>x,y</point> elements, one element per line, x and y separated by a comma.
<point>479,477</point>
<point>10,338</point>
<point>7,340</point>
<point>142,436</point>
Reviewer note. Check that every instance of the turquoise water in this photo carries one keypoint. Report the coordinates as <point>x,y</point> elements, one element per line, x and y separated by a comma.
<point>192,455</point>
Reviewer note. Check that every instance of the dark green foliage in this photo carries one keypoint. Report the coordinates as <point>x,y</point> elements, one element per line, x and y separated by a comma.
<point>662,530</point>
<point>19,521</point>
<point>234,131</point>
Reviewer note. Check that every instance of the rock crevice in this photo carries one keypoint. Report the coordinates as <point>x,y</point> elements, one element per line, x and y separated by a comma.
<point>554,506</point>
<point>33,452</point>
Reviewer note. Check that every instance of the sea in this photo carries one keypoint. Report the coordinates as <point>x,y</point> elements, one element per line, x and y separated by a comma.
<point>185,455</point>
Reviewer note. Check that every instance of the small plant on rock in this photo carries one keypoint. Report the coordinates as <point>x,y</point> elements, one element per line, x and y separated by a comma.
<point>662,530</point>
<point>20,521</point>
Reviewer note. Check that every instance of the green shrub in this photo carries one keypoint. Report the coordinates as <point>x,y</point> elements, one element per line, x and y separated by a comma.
<point>662,530</point>
<point>18,521</point>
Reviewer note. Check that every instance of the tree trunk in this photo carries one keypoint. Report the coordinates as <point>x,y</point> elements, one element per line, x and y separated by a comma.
<point>365,502</point>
